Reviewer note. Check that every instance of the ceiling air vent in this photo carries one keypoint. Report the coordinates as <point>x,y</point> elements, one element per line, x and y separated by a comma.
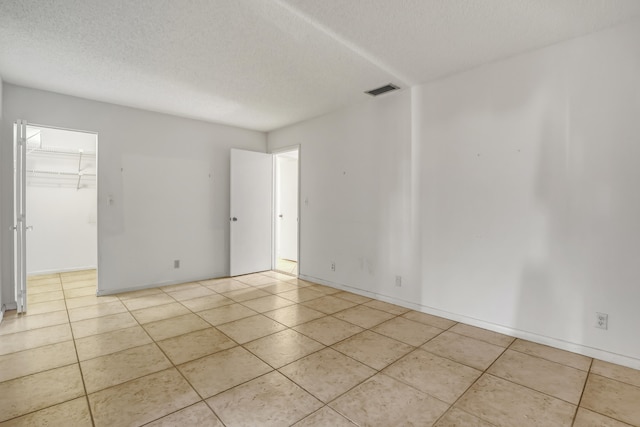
<point>382,89</point>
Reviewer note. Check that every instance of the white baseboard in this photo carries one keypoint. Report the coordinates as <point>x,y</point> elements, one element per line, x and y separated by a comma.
<point>103,292</point>
<point>607,356</point>
<point>63,270</point>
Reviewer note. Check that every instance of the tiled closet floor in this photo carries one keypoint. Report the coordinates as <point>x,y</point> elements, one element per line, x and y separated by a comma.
<point>266,349</point>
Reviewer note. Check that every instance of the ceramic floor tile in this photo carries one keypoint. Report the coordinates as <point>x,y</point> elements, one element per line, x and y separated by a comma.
<point>72,413</point>
<point>98,310</point>
<point>384,401</point>
<point>327,374</point>
<point>250,328</point>
<point>32,290</point>
<point>428,319</point>
<point>561,381</point>
<point>327,290</point>
<point>142,400</point>
<point>270,400</point>
<point>301,295</point>
<point>194,345</point>
<point>482,334</point>
<point>278,287</point>
<point>89,300</point>
<point>407,331</point>
<point>116,368</point>
<point>364,317</point>
<point>226,314</point>
<point>43,279</point>
<point>457,418</point>
<point>79,284</point>
<point>160,312</point>
<point>299,282</point>
<point>78,275</point>
<point>207,302</point>
<point>328,330</point>
<point>140,293</point>
<point>373,349</point>
<point>441,378</point>
<point>468,351</point>
<point>324,417</point>
<point>246,294</point>
<point>181,286</point>
<point>45,296</point>
<point>553,354</point>
<point>255,279</point>
<point>587,418</point>
<point>294,315</point>
<point>224,285</point>
<point>218,372</point>
<point>99,325</point>
<point>268,303</point>
<point>358,299</point>
<point>198,415</point>
<point>38,391</point>
<point>616,372</point>
<point>504,403</point>
<point>147,301</point>
<point>329,304</point>
<point>168,328</point>
<point>27,322</point>
<point>111,342</point>
<point>283,347</point>
<point>47,307</point>
<point>35,338</point>
<point>612,398</point>
<point>277,275</point>
<point>196,292</point>
<point>385,306</point>
<point>38,359</point>
<point>80,292</point>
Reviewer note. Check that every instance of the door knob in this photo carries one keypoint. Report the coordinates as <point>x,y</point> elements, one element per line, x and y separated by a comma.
<point>280,216</point>
<point>234,219</point>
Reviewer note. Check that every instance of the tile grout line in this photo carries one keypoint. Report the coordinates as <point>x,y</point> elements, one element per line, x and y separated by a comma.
<point>73,337</point>
<point>584,388</point>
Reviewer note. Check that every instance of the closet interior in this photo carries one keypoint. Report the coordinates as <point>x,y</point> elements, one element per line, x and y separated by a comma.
<point>61,200</point>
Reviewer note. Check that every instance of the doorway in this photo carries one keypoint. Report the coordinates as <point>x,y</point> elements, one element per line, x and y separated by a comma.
<point>60,194</point>
<point>286,214</point>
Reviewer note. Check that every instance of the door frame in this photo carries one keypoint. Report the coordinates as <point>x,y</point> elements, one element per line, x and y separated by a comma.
<point>274,153</point>
<point>23,260</point>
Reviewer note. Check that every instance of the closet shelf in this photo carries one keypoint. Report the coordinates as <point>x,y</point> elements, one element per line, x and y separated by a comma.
<point>60,150</point>
<point>61,174</point>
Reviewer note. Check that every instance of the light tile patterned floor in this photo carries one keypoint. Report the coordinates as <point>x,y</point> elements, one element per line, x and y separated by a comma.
<point>271,350</point>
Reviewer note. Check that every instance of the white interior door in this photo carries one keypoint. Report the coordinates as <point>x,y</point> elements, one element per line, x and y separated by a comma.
<point>251,210</point>
<point>287,206</point>
<point>20,215</point>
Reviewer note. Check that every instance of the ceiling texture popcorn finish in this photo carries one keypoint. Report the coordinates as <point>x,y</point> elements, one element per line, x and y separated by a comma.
<point>266,64</point>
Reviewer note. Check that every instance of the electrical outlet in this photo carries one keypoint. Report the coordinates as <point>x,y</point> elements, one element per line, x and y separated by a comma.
<point>176,263</point>
<point>602,320</point>
<point>333,266</point>
<point>399,281</point>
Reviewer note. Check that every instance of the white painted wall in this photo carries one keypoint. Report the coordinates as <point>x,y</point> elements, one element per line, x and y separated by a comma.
<point>519,180</point>
<point>356,206</point>
<point>168,179</point>
<point>64,218</point>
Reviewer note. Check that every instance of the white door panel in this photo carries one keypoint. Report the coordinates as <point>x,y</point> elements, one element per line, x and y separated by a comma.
<point>251,212</point>
<point>287,209</point>
<point>20,215</point>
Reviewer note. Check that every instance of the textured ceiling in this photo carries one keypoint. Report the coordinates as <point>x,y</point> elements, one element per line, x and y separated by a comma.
<point>264,64</point>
